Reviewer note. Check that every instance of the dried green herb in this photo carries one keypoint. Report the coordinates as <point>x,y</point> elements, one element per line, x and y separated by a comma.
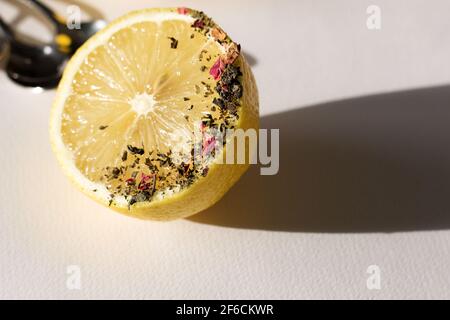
<point>136,150</point>
<point>115,173</point>
<point>173,42</point>
<point>124,156</point>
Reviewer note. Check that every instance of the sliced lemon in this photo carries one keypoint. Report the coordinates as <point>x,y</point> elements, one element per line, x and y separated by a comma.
<point>124,119</point>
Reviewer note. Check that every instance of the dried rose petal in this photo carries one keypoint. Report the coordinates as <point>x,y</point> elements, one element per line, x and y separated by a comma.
<point>145,177</point>
<point>218,34</point>
<point>198,24</point>
<point>145,182</point>
<point>208,145</point>
<point>143,186</point>
<point>233,52</point>
<point>130,181</point>
<point>217,69</point>
<point>183,10</point>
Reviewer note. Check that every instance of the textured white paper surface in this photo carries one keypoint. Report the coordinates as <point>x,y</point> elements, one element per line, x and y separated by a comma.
<point>363,181</point>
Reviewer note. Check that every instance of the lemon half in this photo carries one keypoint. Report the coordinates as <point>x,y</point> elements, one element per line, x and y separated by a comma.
<point>127,107</point>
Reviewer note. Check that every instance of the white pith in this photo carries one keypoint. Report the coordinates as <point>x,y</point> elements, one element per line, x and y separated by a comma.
<point>142,104</point>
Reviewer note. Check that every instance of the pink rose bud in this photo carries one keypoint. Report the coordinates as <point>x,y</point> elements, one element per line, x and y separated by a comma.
<point>217,69</point>
<point>183,10</point>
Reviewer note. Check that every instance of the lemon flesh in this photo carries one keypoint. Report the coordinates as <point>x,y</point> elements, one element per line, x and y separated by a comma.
<point>123,120</point>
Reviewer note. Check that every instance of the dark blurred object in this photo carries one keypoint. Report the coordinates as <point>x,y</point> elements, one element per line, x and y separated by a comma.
<point>42,65</point>
<point>3,47</point>
<point>32,65</point>
<point>70,39</point>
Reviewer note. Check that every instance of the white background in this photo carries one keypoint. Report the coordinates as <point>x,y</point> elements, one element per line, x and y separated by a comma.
<point>364,173</point>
